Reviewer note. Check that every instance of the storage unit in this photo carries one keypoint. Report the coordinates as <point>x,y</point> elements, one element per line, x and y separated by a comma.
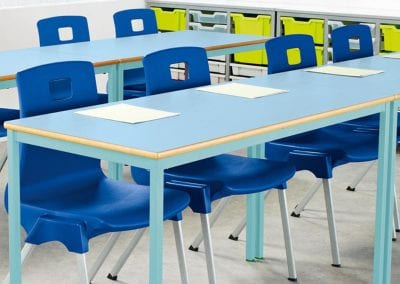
<point>217,66</point>
<point>170,19</point>
<point>217,78</point>
<point>208,17</point>
<point>254,25</point>
<point>390,38</point>
<point>248,70</point>
<point>312,27</point>
<point>209,28</point>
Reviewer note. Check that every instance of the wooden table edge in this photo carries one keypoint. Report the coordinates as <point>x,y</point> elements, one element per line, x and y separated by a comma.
<point>196,146</point>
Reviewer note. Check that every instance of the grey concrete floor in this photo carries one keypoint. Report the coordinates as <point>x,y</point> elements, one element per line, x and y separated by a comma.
<point>51,263</point>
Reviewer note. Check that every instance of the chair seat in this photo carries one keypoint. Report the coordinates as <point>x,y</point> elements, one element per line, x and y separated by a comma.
<point>7,114</point>
<point>233,175</point>
<point>109,206</point>
<point>370,121</point>
<point>134,79</point>
<point>343,144</point>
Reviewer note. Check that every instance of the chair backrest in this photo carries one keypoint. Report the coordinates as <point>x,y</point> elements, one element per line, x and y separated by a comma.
<point>134,22</point>
<point>157,69</point>
<point>51,30</point>
<point>45,89</point>
<point>277,52</point>
<point>342,38</point>
<point>158,79</point>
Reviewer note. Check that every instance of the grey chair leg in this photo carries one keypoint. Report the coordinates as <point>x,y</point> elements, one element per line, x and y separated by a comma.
<point>300,207</point>
<point>287,236</point>
<point>396,213</point>
<point>357,179</point>
<point>213,218</point>
<point>240,226</point>
<point>180,251</point>
<point>25,253</point>
<point>113,275</point>
<point>3,159</point>
<point>205,225</point>
<point>103,255</point>
<point>82,266</point>
<point>331,223</point>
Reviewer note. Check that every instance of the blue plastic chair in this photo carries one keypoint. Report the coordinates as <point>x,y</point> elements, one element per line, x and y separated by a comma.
<point>224,175</point>
<point>49,30</point>
<point>134,22</point>
<point>49,34</point>
<point>318,151</point>
<point>341,51</point>
<point>66,197</point>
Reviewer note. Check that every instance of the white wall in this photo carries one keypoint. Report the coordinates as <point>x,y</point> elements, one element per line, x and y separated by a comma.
<point>18,24</point>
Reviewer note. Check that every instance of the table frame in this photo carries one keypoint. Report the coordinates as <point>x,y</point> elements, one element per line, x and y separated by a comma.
<point>161,161</point>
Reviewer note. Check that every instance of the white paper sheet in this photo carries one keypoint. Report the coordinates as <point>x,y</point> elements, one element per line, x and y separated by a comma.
<point>395,55</point>
<point>344,71</point>
<point>242,90</point>
<point>127,113</point>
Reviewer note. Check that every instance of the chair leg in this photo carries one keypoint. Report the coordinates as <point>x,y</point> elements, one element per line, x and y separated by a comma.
<point>394,235</point>
<point>113,275</point>
<point>396,212</point>
<point>205,225</point>
<point>25,253</point>
<point>82,266</point>
<point>103,255</point>
<point>331,223</point>
<point>240,226</point>
<point>356,181</point>
<point>287,236</point>
<point>300,207</point>
<point>213,218</point>
<point>180,251</point>
<point>3,159</point>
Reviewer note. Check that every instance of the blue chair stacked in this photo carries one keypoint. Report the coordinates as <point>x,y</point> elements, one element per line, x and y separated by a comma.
<point>134,22</point>
<point>66,197</point>
<point>50,33</point>
<point>342,51</point>
<point>321,150</point>
<point>216,177</point>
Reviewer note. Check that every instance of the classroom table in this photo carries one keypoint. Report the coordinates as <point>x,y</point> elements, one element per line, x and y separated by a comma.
<point>210,124</point>
<point>111,56</point>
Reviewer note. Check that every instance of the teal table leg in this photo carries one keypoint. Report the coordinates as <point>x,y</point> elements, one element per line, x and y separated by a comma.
<point>260,153</point>
<point>115,170</point>
<point>114,87</point>
<point>384,197</point>
<point>156,225</point>
<point>14,209</point>
<point>255,216</point>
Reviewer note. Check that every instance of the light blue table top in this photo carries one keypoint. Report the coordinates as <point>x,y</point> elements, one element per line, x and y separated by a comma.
<point>207,116</point>
<point>121,49</point>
